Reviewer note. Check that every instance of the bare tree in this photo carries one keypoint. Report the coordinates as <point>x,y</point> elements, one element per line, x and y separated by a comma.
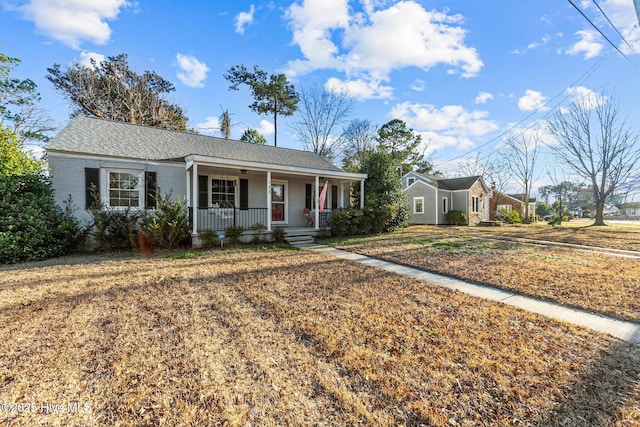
<point>595,142</point>
<point>359,137</point>
<point>320,112</point>
<point>491,168</point>
<point>225,124</point>
<point>520,156</point>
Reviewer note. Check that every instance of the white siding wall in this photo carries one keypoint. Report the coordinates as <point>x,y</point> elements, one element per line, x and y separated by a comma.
<point>67,178</point>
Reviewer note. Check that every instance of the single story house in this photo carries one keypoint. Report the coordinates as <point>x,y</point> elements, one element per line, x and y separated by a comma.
<point>510,202</point>
<point>431,198</point>
<point>629,209</point>
<point>225,182</point>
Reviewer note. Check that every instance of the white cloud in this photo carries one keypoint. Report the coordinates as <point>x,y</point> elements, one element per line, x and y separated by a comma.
<point>589,44</point>
<point>71,21</point>
<point>585,96</point>
<point>532,100</point>
<point>266,128</point>
<point>449,126</point>
<point>483,97</point>
<point>365,88</point>
<point>210,126</point>
<point>86,57</point>
<point>375,43</point>
<point>192,72</point>
<point>418,85</point>
<point>243,19</point>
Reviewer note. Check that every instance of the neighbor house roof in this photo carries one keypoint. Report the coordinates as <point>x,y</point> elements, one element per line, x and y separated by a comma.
<point>451,184</point>
<point>86,135</point>
<point>520,197</point>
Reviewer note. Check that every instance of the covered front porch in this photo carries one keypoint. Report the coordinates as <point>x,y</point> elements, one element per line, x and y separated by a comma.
<point>226,193</point>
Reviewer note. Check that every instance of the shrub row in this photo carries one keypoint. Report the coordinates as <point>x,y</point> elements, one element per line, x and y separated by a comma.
<point>32,226</point>
<point>370,220</point>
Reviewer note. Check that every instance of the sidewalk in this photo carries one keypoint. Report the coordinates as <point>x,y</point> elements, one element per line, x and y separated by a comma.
<point>627,331</point>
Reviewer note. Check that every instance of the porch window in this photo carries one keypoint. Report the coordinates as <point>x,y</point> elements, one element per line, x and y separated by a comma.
<point>223,193</point>
<point>278,202</point>
<point>418,205</point>
<point>445,205</point>
<point>124,189</point>
<point>475,204</point>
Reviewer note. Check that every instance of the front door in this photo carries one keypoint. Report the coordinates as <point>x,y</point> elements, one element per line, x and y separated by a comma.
<point>278,202</point>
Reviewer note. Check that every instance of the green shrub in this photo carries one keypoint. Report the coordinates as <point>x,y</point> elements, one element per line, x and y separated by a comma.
<point>167,226</point>
<point>508,216</point>
<point>277,235</point>
<point>258,229</point>
<point>385,218</point>
<point>32,226</point>
<point>210,239</point>
<point>233,233</point>
<point>114,229</point>
<point>457,217</point>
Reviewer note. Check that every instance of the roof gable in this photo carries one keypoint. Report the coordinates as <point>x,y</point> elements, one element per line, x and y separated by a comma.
<point>86,135</point>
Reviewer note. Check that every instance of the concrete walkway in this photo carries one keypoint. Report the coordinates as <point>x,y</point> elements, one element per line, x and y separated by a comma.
<point>627,331</point>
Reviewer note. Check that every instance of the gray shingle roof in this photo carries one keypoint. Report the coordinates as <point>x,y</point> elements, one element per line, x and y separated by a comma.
<point>452,184</point>
<point>88,135</point>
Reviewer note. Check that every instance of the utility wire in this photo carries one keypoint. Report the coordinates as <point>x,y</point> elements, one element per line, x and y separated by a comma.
<point>580,79</point>
<point>601,33</point>
<point>613,26</point>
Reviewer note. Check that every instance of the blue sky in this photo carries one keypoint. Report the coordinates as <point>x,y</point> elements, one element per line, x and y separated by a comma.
<point>461,73</point>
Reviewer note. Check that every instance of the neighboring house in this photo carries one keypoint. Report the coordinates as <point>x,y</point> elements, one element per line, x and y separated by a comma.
<point>431,198</point>
<point>510,202</point>
<point>226,182</point>
<point>630,209</point>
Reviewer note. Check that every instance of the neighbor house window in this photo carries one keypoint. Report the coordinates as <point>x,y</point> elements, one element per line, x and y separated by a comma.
<point>223,193</point>
<point>445,205</point>
<point>475,204</point>
<point>410,181</point>
<point>418,205</point>
<point>124,189</point>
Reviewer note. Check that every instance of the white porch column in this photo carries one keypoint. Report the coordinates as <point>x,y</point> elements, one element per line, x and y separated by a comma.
<point>316,213</point>
<point>362,194</point>
<point>194,197</point>
<point>341,195</point>
<point>269,211</point>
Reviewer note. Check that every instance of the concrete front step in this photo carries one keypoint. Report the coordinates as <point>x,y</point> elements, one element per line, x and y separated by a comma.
<point>300,240</point>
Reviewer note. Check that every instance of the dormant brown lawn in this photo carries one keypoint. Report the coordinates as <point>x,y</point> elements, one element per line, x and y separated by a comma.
<point>248,337</point>
<point>598,282</point>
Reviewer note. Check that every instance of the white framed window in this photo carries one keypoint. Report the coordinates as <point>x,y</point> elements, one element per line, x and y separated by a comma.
<point>418,205</point>
<point>124,188</point>
<point>223,192</point>
<point>445,205</point>
<point>279,201</point>
<point>475,204</point>
<point>508,208</point>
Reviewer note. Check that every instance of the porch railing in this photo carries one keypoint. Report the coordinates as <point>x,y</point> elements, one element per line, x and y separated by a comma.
<point>218,219</point>
<point>325,217</point>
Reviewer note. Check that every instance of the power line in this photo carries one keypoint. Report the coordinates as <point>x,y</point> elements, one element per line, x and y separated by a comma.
<point>601,33</point>
<point>579,80</point>
<point>613,26</point>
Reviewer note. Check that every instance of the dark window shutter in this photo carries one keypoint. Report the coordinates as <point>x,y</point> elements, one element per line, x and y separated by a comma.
<point>244,194</point>
<point>307,196</point>
<point>203,193</point>
<point>91,180</point>
<point>334,197</point>
<point>151,189</point>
